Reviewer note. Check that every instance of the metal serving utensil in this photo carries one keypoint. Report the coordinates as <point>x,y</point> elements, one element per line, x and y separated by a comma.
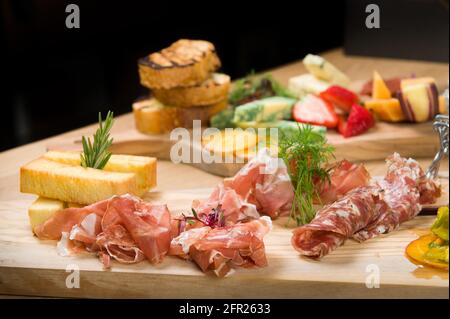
<point>440,124</point>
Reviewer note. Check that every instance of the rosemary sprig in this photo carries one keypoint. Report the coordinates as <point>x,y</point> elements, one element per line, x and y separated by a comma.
<point>96,154</point>
<point>305,153</point>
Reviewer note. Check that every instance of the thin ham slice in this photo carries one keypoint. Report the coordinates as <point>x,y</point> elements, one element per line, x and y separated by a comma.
<point>223,248</point>
<point>124,228</point>
<point>368,211</point>
<point>262,186</point>
<point>344,177</point>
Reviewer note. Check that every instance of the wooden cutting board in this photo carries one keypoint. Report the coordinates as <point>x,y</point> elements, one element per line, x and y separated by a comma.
<point>413,140</point>
<point>29,266</point>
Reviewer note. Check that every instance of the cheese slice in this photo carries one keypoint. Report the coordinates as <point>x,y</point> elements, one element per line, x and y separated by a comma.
<point>42,209</point>
<point>324,70</point>
<point>304,84</point>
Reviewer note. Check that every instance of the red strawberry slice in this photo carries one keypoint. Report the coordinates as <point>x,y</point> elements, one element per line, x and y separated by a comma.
<point>358,122</point>
<point>339,96</point>
<point>315,110</point>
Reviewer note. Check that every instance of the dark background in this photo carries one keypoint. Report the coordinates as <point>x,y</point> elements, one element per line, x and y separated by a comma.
<point>56,79</point>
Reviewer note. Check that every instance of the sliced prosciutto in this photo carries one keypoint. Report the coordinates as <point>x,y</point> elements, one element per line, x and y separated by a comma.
<point>223,248</point>
<point>262,186</point>
<point>124,228</point>
<point>368,211</point>
<point>344,177</point>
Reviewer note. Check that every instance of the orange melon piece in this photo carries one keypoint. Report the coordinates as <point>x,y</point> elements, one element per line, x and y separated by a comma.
<point>417,249</point>
<point>388,110</point>
<point>442,105</point>
<point>379,88</point>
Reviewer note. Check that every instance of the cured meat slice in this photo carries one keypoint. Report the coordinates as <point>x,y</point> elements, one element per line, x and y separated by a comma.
<point>368,211</point>
<point>223,248</point>
<point>344,177</point>
<point>124,228</point>
<point>64,220</point>
<point>261,186</point>
<point>151,233</point>
<point>335,223</point>
<point>402,191</point>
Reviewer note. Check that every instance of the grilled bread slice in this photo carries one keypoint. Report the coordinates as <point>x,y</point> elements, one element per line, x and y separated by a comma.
<point>211,91</point>
<point>75,184</point>
<point>184,63</point>
<point>151,116</point>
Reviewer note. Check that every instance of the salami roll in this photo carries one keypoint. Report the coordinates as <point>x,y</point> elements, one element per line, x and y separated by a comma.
<point>402,191</point>
<point>335,223</point>
<point>369,211</point>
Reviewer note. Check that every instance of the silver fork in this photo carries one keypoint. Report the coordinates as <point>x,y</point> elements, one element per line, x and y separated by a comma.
<point>441,124</point>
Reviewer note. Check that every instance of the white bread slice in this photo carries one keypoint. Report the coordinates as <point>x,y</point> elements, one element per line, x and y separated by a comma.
<point>211,91</point>
<point>183,63</point>
<point>143,166</point>
<point>74,184</point>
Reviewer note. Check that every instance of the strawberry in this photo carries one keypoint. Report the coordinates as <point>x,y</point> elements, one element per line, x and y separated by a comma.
<point>315,110</point>
<point>339,96</point>
<point>359,121</point>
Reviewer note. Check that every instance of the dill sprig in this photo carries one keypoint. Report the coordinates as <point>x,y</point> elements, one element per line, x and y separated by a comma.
<point>305,153</point>
<point>96,154</point>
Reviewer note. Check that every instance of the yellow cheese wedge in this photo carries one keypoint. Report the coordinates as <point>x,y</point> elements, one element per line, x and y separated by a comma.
<point>412,81</point>
<point>230,141</point>
<point>417,96</point>
<point>42,209</point>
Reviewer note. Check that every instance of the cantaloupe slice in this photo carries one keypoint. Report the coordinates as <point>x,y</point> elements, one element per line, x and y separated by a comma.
<point>442,105</point>
<point>379,88</point>
<point>388,110</point>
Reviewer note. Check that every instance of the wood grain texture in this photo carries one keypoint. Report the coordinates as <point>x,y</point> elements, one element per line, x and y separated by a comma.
<point>32,267</point>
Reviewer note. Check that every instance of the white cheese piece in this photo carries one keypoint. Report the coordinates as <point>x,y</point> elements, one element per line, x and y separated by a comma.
<point>305,84</point>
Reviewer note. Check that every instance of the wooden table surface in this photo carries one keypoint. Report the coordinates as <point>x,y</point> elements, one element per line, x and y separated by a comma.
<point>172,176</point>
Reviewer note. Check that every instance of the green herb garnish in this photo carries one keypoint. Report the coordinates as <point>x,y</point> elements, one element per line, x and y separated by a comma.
<point>305,153</point>
<point>254,87</point>
<point>96,154</point>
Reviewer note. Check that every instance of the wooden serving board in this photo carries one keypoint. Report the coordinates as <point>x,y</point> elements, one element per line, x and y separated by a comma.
<point>412,140</point>
<point>29,266</point>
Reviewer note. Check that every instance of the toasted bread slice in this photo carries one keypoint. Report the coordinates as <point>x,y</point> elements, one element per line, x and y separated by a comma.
<point>144,167</point>
<point>151,116</point>
<point>211,91</point>
<point>75,184</point>
<point>184,63</point>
